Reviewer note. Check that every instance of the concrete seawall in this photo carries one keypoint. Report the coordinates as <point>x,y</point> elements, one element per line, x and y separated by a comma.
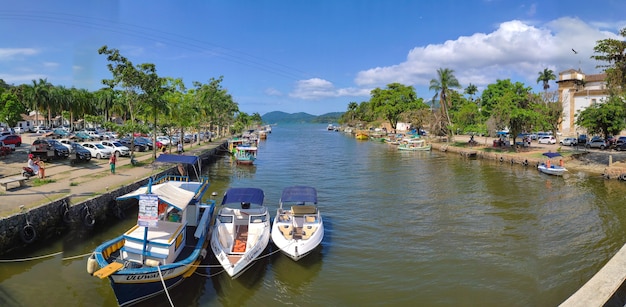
<point>51,220</point>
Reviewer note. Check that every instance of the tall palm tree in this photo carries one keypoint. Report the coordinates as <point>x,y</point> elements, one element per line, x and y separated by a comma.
<point>442,87</point>
<point>38,97</point>
<point>471,90</point>
<point>545,76</point>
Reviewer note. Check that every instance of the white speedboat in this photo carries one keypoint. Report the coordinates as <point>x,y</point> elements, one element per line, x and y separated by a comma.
<point>242,229</point>
<point>549,168</point>
<point>298,227</point>
<point>168,241</point>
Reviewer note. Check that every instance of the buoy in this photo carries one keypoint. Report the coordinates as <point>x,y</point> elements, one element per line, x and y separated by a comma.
<point>28,234</point>
<point>92,264</point>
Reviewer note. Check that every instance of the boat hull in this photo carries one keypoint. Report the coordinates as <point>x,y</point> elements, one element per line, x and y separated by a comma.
<point>297,249</point>
<point>553,170</point>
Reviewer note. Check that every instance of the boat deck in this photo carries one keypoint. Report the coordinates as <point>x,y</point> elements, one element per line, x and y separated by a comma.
<point>241,240</point>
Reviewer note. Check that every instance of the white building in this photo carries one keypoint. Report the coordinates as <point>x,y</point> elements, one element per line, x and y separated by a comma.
<point>578,91</point>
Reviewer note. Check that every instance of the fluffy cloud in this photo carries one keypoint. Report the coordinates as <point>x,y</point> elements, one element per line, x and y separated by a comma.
<point>10,53</point>
<point>517,50</point>
<point>317,88</point>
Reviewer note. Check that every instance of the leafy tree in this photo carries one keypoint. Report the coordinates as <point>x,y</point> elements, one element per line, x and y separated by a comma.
<point>604,118</point>
<point>391,102</point>
<point>545,76</point>
<point>613,53</point>
<point>12,109</point>
<point>442,87</point>
<point>471,90</point>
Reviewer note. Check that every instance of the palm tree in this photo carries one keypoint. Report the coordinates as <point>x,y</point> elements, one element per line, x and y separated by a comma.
<point>38,96</point>
<point>442,87</point>
<point>471,90</point>
<point>545,76</point>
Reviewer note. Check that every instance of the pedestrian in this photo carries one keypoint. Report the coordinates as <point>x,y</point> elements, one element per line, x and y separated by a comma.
<point>112,161</point>
<point>42,168</point>
<point>180,148</point>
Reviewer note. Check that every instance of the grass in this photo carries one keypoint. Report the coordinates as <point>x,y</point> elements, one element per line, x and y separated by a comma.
<point>39,182</point>
<point>73,184</point>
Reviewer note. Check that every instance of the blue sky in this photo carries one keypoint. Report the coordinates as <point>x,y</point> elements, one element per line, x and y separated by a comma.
<point>305,56</point>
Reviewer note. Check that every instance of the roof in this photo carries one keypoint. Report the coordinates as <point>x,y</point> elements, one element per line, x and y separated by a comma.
<point>176,193</point>
<point>239,195</point>
<point>168,158</point>
<point>551,154</point>
<point>299,194</point>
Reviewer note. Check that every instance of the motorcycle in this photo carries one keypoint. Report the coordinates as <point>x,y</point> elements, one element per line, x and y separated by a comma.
<point>28,172</point>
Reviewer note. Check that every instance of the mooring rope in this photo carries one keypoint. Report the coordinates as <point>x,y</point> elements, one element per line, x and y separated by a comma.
<point>164,286</point>
<point>31,258</point>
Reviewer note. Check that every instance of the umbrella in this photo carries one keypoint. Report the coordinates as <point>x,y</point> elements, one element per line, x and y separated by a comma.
<point>551,154</point>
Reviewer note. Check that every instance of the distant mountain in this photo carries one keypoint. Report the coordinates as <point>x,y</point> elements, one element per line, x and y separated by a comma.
<point>301,117</point>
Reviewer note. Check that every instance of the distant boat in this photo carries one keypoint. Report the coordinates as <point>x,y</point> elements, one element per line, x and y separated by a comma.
<point>245,154</point>
<point>415,145</point>
<point>242,230</point>
<point>298,227</point>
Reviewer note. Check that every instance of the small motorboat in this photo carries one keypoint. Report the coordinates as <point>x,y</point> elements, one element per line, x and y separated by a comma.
<point>242,230</point>
<point>549,168</point>
<point>298,227</point>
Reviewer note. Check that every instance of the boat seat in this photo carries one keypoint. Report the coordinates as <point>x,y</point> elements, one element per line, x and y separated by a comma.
<point>286,230</point>
<point>308,231</point>
<point>301,210</point>
<point>310,219</point>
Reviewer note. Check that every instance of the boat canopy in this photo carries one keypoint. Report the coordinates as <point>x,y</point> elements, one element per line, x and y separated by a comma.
<point>551,154</point>
<point>168,158</point>
<point>299,194</point>
<point>239,195</point>
<point>171,192</point>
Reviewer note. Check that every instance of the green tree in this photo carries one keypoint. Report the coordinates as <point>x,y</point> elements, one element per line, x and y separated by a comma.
<point>613,53</point>
<point>545,76</point>
<point>12,110</point>
<point>471,90</point>
<point>604,118</point>
<point>442,86</point>
<point>391,102</point>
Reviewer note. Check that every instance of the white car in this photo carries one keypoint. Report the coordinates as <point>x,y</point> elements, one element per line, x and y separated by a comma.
<point>547,139</point>
<point>117,148</point>
<point>165,141</point>
<point>67,143</point>
<point>97,150</point>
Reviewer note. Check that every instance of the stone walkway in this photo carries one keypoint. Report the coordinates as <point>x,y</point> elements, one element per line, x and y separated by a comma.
<point>82,181</point>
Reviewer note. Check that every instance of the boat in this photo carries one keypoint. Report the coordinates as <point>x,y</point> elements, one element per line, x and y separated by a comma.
<point>298,227</point>
<point>168,241</point>
<point>362,136</point>
<point>415,145</point>
<point>549,168</point>
<point>245,155</point>
<point>330,127</point>
<point>242,230</point>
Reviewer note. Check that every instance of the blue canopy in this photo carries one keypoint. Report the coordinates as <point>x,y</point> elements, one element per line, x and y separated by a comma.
<point>299,194</point>
<point>167,158</point>
<point>239,195</point>
<point>551,154</point>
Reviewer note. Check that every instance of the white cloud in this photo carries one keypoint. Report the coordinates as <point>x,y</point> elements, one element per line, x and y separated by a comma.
<point>317,88</point>
<point>21,79</point>
<point>51,64</point>
<point>273,92</point>
<point>515,50</point>
<point>10,53</point>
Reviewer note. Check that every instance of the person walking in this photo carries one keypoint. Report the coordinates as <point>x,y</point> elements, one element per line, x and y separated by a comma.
<point>112,161</point>
<point>180,148</point>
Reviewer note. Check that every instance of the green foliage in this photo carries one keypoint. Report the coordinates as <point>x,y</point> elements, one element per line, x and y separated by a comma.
<point>391,102</point>
<point>613,53</point>
<point>604,118</point>
<point>545,76</point>
<point>11,110</point>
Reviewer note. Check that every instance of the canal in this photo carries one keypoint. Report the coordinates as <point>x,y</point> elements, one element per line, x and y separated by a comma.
<point>402,228</point>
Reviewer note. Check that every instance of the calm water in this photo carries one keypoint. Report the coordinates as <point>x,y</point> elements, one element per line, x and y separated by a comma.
<point>402,228</point>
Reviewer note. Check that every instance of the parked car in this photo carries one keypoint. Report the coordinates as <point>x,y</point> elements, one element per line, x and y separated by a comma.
<point>135,144</point>
<point>12,139</point>
<point>117,148</point>
<point>60,133</point>
<point>620,140</point>
<point>597,142</point>
<point>582,139</point>
<point>146,141</point>
<point>569,141</point>
<point>39,129</point>
<point>47,149</point>
<point>5,150</point>
<point>81,136</point>
<point>165,141</point>
<point>547,139</point>
<point>97,150</point>
<point>18,130</point>
<point>81,153</point>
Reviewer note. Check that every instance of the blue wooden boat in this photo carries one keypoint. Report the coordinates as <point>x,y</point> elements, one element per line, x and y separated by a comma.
<point>167,243</point>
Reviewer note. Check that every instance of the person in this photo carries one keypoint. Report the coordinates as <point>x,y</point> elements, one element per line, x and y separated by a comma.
<point>42,168</point>
<point>32,164</point>
<point>180,148</point>
<point>112,161</point>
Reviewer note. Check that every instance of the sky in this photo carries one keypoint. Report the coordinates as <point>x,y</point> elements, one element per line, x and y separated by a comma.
<point>305,56</point>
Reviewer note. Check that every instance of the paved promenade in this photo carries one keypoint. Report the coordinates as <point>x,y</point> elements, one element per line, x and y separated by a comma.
<point>81,181</point>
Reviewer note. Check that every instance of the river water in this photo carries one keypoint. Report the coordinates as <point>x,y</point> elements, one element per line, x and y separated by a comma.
<point>402,228</point>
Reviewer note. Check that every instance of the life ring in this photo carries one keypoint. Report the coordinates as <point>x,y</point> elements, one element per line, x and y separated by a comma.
<point>28,234</point>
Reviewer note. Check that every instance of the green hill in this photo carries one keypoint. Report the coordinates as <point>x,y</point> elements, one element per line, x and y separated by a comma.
<point>301,117</point>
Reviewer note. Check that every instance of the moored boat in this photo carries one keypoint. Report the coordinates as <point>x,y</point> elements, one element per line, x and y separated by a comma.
<point>549,168</point>
<point>168,241</point>
<point>415,145</point>
<point>245,155</point>
<point>242,230</point>
<point>298,227</point>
